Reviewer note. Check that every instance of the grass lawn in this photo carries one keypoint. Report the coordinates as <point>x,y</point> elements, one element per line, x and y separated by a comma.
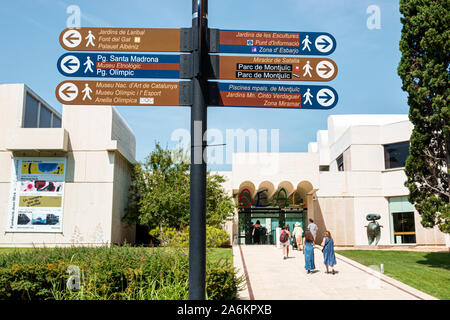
<point>8,250</point>
<point>217,254</point>
<point>426,271</point>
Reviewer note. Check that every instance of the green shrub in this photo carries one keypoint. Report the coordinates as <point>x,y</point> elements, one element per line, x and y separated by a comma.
<point>170,237</point>
<point>222,283</point>
<point>108,273</point>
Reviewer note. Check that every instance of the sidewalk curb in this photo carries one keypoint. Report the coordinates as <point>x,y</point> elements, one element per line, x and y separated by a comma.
<point>237,262</point>
<point>399,285</point>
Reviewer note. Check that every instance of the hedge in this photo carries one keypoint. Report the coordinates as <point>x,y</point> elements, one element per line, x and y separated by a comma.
<point>109,273</point>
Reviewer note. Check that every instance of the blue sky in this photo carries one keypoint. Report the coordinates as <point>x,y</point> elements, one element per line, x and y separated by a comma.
<point>367,82</point>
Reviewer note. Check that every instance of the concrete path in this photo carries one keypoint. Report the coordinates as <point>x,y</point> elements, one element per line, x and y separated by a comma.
<point>269,277</point>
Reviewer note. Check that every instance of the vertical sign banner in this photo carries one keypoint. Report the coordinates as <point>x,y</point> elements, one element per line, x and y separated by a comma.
<point>37,195</point>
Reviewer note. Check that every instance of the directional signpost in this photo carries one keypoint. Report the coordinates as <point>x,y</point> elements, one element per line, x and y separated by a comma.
<point>272,42</point>
<point>107,65</point>
<point>272,96</point>
<point>124,93</point>
<point>198,93</point>
<point>273,68</point>
<point>126,39</point>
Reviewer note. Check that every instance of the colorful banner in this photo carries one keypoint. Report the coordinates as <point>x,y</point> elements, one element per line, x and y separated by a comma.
<point>37,195</point>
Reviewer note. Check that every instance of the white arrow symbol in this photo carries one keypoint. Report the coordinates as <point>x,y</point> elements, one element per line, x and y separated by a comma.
<point>325,97</point>
<point>71,38</point>
<point>325,69</point>
<point>70,64</point>
<point>68,91</point>
<point>324,43</point>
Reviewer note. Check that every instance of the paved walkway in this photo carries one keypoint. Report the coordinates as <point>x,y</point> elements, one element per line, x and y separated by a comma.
<point>269,277</point>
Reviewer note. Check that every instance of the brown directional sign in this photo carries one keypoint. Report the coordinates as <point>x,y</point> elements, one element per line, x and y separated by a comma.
<point>124,93</point>
<point>272,68</point>
<point>126,39</point>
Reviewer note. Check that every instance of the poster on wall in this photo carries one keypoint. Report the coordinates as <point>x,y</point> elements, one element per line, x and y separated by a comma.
<point>37,194</point>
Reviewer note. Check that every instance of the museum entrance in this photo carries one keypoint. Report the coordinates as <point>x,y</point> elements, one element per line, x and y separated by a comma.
<point>269,208</point>
<point>269,218</point>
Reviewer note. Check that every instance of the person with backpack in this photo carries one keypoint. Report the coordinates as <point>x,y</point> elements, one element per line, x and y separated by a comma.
<point>284,239</point>
<point>308,251</point>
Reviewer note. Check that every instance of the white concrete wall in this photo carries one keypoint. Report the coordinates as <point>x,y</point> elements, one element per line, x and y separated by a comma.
<point>99,147</point>
<point>275,167</point>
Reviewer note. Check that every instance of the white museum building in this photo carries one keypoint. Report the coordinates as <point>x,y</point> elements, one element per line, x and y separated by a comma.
<point>355,168</point>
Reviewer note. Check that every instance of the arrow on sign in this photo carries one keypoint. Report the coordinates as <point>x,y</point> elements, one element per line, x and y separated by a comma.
<point>325,68</point>
<point>327,97</point>
<point>68,64</point>
<point>71,38</point>
<point>68,92</point>
<point>324,43</point>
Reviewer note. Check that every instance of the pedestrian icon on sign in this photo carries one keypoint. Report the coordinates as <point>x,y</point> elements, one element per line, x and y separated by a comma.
<point>306,43</point>
<point>307,67</point>
<point>308,97</point>
<point>90,38</point>
<point>87,92</point>
<point>88,65</point>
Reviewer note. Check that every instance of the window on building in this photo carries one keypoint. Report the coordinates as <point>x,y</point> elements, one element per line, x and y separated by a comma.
<point>56,122</point>
<point>31,112</point>
<point>45,118</point>
<point>340,162</point>
<point>395,154</point>
<point>38,115</point>
<point>324,168</point>
<point>404,228</point>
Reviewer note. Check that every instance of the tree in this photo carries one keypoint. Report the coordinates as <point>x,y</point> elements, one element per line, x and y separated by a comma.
<point>424,70</point>
<point>159,194</point>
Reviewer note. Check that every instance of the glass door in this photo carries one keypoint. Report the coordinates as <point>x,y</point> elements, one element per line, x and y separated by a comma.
<point>404,228</point>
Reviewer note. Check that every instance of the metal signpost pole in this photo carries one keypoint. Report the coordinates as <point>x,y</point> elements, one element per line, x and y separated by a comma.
<point>197,221</point>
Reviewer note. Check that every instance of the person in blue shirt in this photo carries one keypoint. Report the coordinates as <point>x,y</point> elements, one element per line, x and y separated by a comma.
<point>328,252</point>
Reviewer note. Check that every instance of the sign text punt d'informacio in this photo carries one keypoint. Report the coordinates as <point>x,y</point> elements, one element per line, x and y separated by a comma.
<point>271,42</point>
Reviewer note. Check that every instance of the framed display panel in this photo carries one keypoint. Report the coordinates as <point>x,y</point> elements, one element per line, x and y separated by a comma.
<point>37,194</point>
